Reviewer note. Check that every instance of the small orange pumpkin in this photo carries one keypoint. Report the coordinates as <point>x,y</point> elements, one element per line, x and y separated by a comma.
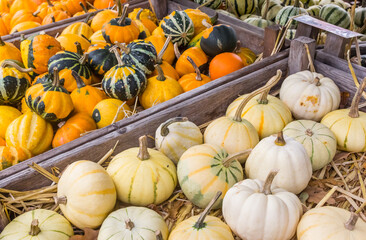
<point>224,64</point>
<point>183,66</point>
<point>23,5</point>
<point>4,6</point>
<point>2,142</point>
<point>56,16</point>
<point>193,80</point>
<point>3,27</point>
<point>68,41</point>
<point>9,156</point>
<point>159,42</point>
<point>7,19</point>
<point>73,6</point>
<point>48,7</point>
<point>102,4</point>
<point>102,18</point>
<point>9,51</point>
<point>25,16</point>
<point>24,26</point>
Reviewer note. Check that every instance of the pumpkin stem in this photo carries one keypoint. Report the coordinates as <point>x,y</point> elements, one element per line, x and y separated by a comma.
<point>129,224</point>
<point>205,4</point>
<point>56,77</point>
<point>83,7</point>
<point>297,3</point>
<point>116,53</point>
<point>351,223</point>
<point>50,4</point>
<point>124,13</point>
<point>161,76</point>
<point>92,6</point>
<point>158,235</point>
<point>7,63</point>
<point>164,131</point>
<point>353,113</point>
<point>61,200</point>
<point>176,50</point>
<point>79,49</point>
<point>84,58</point>
<point>87,21</point>
<point>201,220</point>
<point>119,7</point>
<point>266,87</point>
<point>268,183</point>
<point>264,16</point>
<point>263,99</point>
<point>229,159</point>
<point>143,152</point>
<point>214,18</point>
<point>2,43</point>
<point>139,13</point>
<point>36,13</point>
<point>309,132</point>
<point>159,59</point>
<point>53,18</point>
<point>79,82</point>
<point>34,229</point>
<point>310,59</point>
<point>196,69</point>
<point>317,81</point>
<point>206,24</point>
<point>280,140</point>
<point>123,47</point>
<point>238,47</point>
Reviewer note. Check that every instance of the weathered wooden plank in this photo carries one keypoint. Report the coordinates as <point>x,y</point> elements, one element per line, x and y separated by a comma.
<point>306,31</point>
<point>298,59</point>
<point>335,45</point>
<point>270,38</point>
<point>160,8</point>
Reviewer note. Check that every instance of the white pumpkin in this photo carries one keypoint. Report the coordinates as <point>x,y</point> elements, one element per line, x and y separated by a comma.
<point>333,223</point>
<point>175,136</point>
<point>285,154</point>
<point>86,194</point>
<point>320,143</point>
<point>310,95</point>
<point>133,223</point>
<point>257,210</point>
<point>40,224</point>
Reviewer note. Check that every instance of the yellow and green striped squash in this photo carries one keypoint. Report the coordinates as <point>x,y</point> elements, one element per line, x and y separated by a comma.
<point>258,22</point>
<point>287,12</point>
<point>241,7</point>
<point>336,15</point>
<point>273,9</point>
<point>7,115</point>
<point>314,11</point>
<point>79,28</point>
<point>179,26</point>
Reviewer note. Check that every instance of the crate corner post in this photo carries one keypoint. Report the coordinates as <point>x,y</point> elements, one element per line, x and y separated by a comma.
<point>298,59</point>
<point>159,7</point>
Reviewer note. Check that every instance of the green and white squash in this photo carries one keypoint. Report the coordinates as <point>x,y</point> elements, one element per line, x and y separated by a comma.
<point>287,12</point>
<point>290,34</point>
<point>252,15</point>
<point>336,15</point>
<point>258,22</point>
<point>179,26</point>
<point>273,9</point>
<point>241,7</point>
<point>205,169</point>
<point>133,223</point>
<point>175,136</point>
<point>100,58</point>
<point>40,224</point>
<point>340,3</point>
<point>226,13</point>
<point>291,3</point>
<point>360,14</point>
<point>309,3</point>
<point>319,141</point>
<point>314,11</point>
<point>214,4</point>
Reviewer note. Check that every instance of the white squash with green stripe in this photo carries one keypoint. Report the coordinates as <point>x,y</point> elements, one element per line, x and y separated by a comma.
<point>319,141</point>
<point>226,13</point>
<point>86,194</point>
<point>360,14</point>
<point>133,223</point>
<point>290,34</point>
<point>179,26</point>
<point>241,7</point>
<point>246,16</point>
<point>259,22</point>
<point>38,224</point>
<point>309,3</point>
<point>336,15</point>
<point>287,12</point>
<point>314,11</point>
<point>214,4</point>
<point>340,3</point>
<point>143,176</point>
<point>205,169</point>
<point>291,3</point>
<point>273,9</point>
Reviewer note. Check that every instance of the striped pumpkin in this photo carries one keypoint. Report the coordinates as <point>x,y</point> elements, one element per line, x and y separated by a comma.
<point>7,115</point>
<point>86,194</point>
<point>291,3</point>
<point>179,26</point>
<point>226,13</point>
<point>360,14</point>
<point>309,3</point>
<point>273,9</point>
<point>79,28</point>
<point>341,3</point>
<point>14,81</point>
<point>336,15</point>
<point>290,34</point>
<point>314,11</point>
<point>139,54</point>
<point>252,15</point>
<point>10,156</point>
<point>241,7</point>
<point>205,169</point>
<point>214,4</point>
<point>258,22</point>
<point>100,58</point>
<point>287,12</point>
<point>142,175</point>
<point>218,39</point>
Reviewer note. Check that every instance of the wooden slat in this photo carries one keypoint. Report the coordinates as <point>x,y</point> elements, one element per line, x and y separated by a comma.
<point>298,59</point>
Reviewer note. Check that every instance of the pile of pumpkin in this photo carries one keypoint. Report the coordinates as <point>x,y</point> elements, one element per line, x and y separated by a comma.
<point>282,156</point>
<point>51,77</point>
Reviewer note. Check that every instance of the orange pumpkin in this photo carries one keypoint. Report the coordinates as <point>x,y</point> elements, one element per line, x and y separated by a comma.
<point>9,156</point>
<point>23,5</point>
<point>68,41</point>
<point>4,6</point>
<point>6,17</point>
<point>48,7</point>
<point>55,16</point>
<point>102,18</point>
<point>73,128</point>
<point>73,6</point>
<point>3,27</point>
<point>102,4</point>
<point>25,16</point>
<point>97,37</point>
<point>183,66</point>
<point>148,24</point>
<point>24,26</point>
<point>224,64</point>
<point>159,42</point>
<point>9,51</point>
<point>158,32</point>
<point>247,56</point>
<point>2,141</point>
<point>85,10</point>
<point>193,80</point>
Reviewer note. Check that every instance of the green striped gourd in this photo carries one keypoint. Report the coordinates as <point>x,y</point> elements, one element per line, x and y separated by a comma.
<point>360,14</point>
<point>290,3</point>
<point>226,13</point>
<point>259,22</point>
<point>287,12</point>
<point>179,26</point>
<point>205,169</point>
<point>273,9</point>
<point>123,82</point>
<point>100,58</point>
<point>140,54</point>
<point>260,3</point>
<point>290,34</point>
<point>340,3</point>
<point>246,16</point>
<point>241,7</point>
<point>14,81</point>
<point>214,4</point>
<point>308,3</point>
<point>336,15</point>
<point>314,11</point>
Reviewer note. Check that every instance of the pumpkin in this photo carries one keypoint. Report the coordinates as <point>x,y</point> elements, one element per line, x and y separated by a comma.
<point>14,81</point>
<point>285,14</point>
<point>31,132</point>
<point>68,41</point>
<point>10,156</point>
<point>134,222</point>
<point>4,5</point>
<point>24,107</point>
<point>102,18</point>
<point>224,64</point>
<point>247,56</point>
<point>266,113</point>
<point>122,81</point>
<point>241,7</point>
<point>175,136</point>
<point>7,115</point>
<point>335,15</point>
<point>165,48</point>
<point>73,6</point>
<point>258,210</point>
<point>37,50</point>
<point>184,66</point>
<point>148,20</point>
<point>179,26</point>
<point>197,16</point>
<point>144,14</point>
<point>140,54</point>
<point>102,4</point>
<point>97,37</point>
<point>360,15</point>
<point>349,125</point>
<point>25,16</point>
<point>196,41</point>
<point>4,28</point>
<point>283,153</point>
<point>202,227</point>
<point>159,89</point>
<point>149,177</point>
<point>79,28</point>
<point>144,31</point>
<point>22,5</point>
<point>320,143</point>
<point>236,134</point>
<point>122,29</point>
<point>100,58</point>
<point>191,81</point>
<point>158,32</point>
<point>55,16</point>
<point>86,194</point>
<point>85,97</point>
<point>105,112</point>
<point>50,100</point>
<point>214,4</point>
<point>48,7</point>
<point>2,142</point>
<point>274,7</point>
<point>39,224</point>
<point>6,19</point>
<point>24,26</point>
<point>66,62</point>
<point>310,95</point>
<point>9,51</point>
<point>323,222</point>
<point>44,77</point>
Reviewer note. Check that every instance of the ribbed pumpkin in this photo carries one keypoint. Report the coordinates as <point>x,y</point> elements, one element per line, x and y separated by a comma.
<point>24,26</point>
<point>105,112</point>
<point>100,58</point>
<point>314,11</point>
<point>14,81</point>
<point>9,51</point>
<point>143,176</point>
<point>86,194</point>
<point>4,28</point>
<point>336,15</point>
<point>85,97</point>
<point>55,16</point>
<point>25,16</point>
<point>47,7</point>
<point>102,18</point>
<point>273,9</point>
<point>22,4</point>
<point>2,142</point>
<point>197,16</point>
<point>4,6</point>
<point>183,66</point>
<point>148,21</point>
<point>97,37</point>
<point>79,28</point>
<point>191,81</point>
<point>73,6</point>
<point>68,41</point>
<point>247,56</point>
<point>179,26</point>
<point>37,50</point>
<point>287,12</point>
<point>145,14</point>
<point>50,100</point>
<point>159,42</point>
<point>31,132</point>
<point>10,156</point>
<point>241,7</point>
<point>159,89</point>
<point>7,115</point>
